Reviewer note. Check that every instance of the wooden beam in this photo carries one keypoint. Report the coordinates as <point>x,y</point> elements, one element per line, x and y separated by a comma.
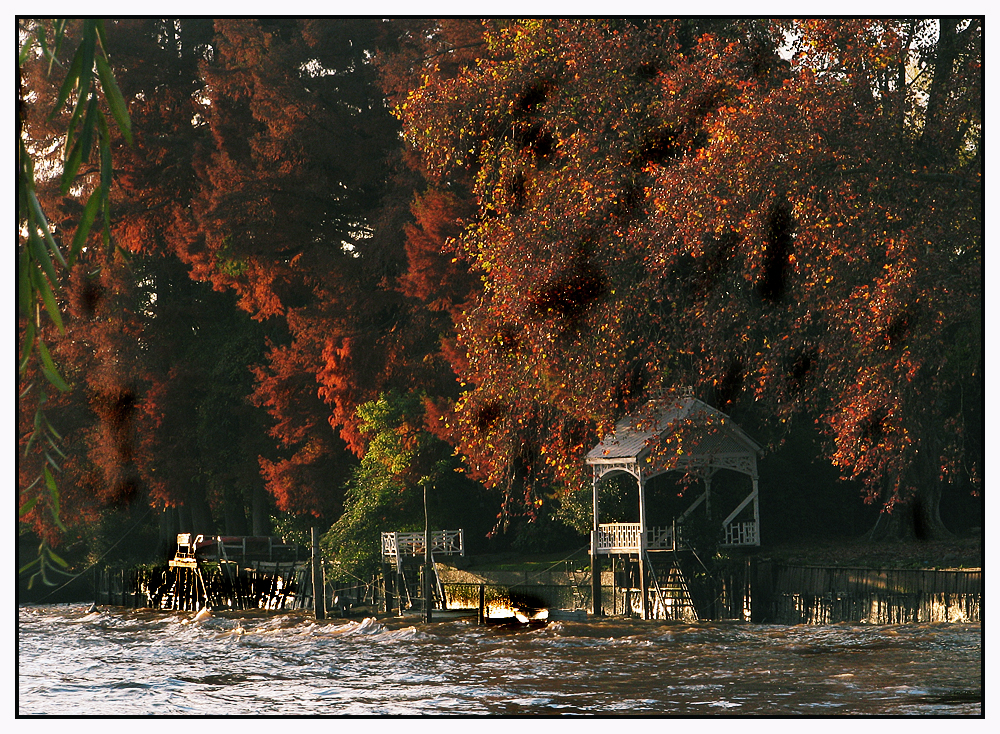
<point>319,587</point>
<point>643,600</point>
<point>595,567</point>
<point>595,576</point>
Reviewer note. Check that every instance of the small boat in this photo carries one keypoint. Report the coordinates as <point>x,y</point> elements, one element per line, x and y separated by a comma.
<point>520,620</point>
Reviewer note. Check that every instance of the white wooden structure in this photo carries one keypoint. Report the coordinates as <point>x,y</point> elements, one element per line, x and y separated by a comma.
<point>402,550</point>
<point>676,432</point>
<point>396,546</point>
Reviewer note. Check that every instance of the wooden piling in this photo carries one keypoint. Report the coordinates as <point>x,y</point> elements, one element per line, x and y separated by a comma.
<point>595,575</point>
<point>643,588</point>
<point>319,587</point>
<point>400,589</point>
<point>428,601</point>
<point>482,605</point>
<point>387,590</point>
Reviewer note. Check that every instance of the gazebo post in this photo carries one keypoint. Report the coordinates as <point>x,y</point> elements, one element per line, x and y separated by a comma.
<point>595,571</point>
<point>708,495</point>
<point>643,602</point>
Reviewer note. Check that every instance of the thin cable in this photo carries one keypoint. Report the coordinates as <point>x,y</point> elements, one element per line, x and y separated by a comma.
<point>560,561</point>
<point>125,535</point>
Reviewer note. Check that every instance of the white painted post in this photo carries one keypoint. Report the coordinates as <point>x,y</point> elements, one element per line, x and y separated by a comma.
<point>596,503</point>
<point>642,510</point>
<point>595,570</point>
<point>642,544</point>
<point>756,511</point>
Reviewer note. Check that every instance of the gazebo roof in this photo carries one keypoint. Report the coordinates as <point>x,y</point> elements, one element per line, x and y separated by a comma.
<point>711,437</point>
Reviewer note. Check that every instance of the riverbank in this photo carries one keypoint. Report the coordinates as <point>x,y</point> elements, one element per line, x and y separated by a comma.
<point>959,553</point>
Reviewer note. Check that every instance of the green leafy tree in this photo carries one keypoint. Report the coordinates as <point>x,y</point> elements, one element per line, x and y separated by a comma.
<point>385,492</point>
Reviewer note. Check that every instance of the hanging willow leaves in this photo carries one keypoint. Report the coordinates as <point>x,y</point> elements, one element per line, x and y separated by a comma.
<point>89,86</point>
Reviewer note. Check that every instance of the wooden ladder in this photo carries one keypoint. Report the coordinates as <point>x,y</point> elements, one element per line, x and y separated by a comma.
<point>674,590</point>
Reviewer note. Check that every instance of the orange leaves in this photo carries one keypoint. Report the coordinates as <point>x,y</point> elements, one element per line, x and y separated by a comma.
<point>652,204</point>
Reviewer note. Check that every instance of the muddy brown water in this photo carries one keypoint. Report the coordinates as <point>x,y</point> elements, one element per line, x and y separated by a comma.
<point>72,661</point>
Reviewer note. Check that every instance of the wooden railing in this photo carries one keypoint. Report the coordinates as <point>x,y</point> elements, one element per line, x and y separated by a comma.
<point>661,537</point>
<point>443,542</point>
<point>618,537</point>
<point>741,533</point>
<point>623,537</point>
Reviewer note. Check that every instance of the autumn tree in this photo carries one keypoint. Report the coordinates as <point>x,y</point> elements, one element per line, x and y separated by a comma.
<point>755,209</point>
<point>845,250</point>
<point>303,201</point>
<point>266,162</point>
<point>58,133</point>
<point>146,424</point>
<point>559,122</point>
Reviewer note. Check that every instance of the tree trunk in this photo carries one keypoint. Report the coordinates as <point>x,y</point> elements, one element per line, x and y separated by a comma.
<point>927,524</point>
<point>258,510</point>
<point>201,516</point>
<point>168,530</point>
<point>234,513</point>
<point>919,518</point>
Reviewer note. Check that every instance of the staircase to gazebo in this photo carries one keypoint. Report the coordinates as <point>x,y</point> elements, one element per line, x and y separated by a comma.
<point>704,441</point>
<point>667,591</point>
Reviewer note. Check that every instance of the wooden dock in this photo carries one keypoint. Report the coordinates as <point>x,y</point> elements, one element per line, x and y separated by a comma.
<point>216,572</point>
<point>747,590</point>
<point>224,585</point>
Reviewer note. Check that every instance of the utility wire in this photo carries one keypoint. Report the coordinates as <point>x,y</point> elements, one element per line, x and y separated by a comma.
<point>102,556</point>
<point>562,560</point>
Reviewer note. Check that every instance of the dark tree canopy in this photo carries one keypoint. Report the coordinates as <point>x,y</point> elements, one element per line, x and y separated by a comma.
<point>491,239</point>
<point>663,204</point>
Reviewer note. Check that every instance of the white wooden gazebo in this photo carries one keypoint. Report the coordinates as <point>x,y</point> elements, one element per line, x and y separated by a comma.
<point>676,432</point>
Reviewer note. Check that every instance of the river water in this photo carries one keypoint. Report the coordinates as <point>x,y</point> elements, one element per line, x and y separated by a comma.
<point>72,661</point>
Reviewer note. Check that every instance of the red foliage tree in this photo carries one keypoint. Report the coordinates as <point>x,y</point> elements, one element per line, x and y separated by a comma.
<point>296,213</point>
<point>130,427</point>
<point>667,203</point>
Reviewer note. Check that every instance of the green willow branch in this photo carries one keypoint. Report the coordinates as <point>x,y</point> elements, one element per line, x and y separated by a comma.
<point>89,86</point>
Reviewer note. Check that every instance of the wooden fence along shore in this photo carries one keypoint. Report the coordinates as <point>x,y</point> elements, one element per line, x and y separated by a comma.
<point>823,595</point>
<point>757,591</point>
<point>763,592</point>
<point>223,586</point>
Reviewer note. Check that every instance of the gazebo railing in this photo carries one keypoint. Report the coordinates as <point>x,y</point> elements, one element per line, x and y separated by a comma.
<point>661,537</point>
<point>617,537</point>
<point>741,532</point>
<point>623,537</point>
<point>443,542</point>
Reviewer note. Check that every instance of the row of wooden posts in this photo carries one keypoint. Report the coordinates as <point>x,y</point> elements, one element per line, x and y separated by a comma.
<point>218,586</point>
<point>761,593</point>
<point>227,585</point>
<point>275,587</point>
<point>754,591</point>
